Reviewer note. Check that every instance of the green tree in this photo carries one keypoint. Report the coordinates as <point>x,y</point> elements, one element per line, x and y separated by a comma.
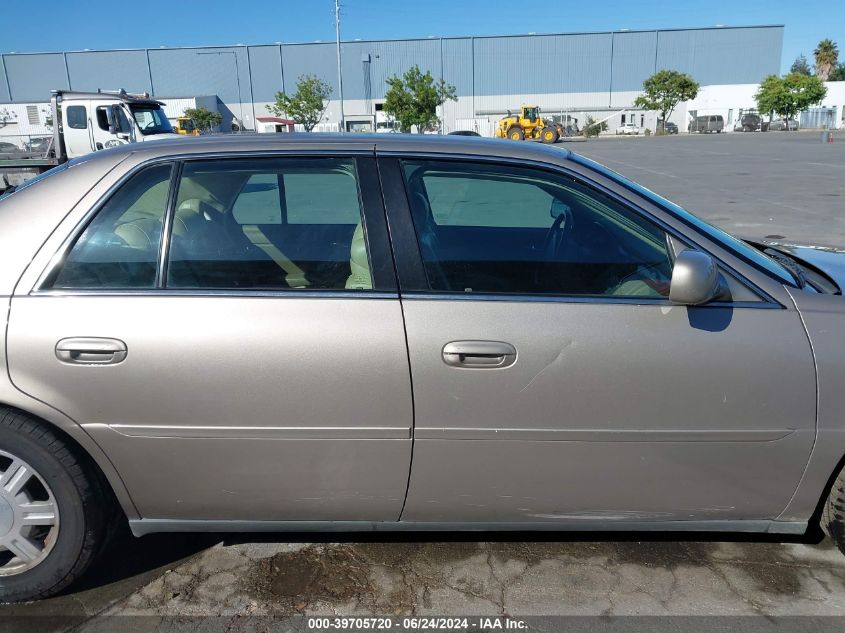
<point>788,95</point>
<point>307,105</point>
<point>801,66</point>
<point>664,90</point>
<point>413,98</point>
<point>591,128</point>
<point>838,73</point>
<point>204,118</point>
<point>827,58</point>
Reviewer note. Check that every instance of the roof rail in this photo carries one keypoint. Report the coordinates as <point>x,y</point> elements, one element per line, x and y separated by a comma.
<point>122,93</point>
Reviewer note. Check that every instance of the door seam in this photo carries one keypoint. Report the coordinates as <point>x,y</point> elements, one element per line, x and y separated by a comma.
<point>816,413</point>
<point>404,331</point>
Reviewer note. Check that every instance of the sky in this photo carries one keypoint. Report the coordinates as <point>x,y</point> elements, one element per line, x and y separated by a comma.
<point>155,23</point>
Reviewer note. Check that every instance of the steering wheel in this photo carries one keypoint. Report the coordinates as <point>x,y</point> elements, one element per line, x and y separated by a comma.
<point>557,235</point>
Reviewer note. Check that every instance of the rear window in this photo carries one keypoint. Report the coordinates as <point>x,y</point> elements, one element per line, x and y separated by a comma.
<point>76,117</point>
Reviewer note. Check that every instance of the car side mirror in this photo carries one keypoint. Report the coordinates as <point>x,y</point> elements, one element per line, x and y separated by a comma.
<point>696,280</point>
<point>111,118</point>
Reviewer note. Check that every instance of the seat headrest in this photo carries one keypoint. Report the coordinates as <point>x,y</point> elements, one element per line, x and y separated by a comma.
<point>359,262</point>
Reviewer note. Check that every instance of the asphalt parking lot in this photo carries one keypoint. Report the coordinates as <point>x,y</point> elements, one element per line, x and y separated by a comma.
<point>785,185</point>
<point>788,187</point>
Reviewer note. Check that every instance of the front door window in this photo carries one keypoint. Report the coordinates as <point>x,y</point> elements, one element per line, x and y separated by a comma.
<point>492,229</point>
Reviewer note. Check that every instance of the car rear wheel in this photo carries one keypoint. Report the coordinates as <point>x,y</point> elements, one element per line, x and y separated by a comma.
<point>52,510</point>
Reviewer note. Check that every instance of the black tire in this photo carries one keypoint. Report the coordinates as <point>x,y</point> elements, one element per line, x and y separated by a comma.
<point>833,512</point>
<point>515,133</point>
<point>79,495</point>
<point>549,135</point>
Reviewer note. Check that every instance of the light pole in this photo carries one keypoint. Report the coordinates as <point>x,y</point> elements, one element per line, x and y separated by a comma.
<point>339,73</point>
<point>237,78</point>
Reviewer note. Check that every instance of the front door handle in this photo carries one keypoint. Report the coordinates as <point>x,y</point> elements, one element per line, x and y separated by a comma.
<point>91,351</point>
<point>479,354</point>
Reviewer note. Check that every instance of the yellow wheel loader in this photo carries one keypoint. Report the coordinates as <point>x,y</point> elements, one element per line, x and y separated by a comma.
<point>185,125</point>
<point>529,125</point>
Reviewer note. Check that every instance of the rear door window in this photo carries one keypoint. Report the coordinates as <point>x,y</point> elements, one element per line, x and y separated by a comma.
<point>283,223</point>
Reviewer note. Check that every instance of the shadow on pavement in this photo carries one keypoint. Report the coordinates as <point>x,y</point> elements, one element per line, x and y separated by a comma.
<point>127,564</point>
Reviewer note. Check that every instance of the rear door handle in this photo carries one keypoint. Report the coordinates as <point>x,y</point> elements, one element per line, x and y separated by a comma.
<point>91,351</point>
<point>479,354</point>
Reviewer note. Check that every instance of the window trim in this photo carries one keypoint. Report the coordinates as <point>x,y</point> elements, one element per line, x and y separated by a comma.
<point>413,282</point>
<point>373,217</point>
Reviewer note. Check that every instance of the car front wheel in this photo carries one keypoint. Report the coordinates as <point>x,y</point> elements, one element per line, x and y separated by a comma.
<point>52,509</point>
<point>833,512</point>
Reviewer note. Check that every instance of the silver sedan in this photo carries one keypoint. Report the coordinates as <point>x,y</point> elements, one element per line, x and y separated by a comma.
<point>398,333</point>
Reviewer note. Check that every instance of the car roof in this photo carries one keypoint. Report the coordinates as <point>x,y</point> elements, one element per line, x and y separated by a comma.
<point>317,141</point>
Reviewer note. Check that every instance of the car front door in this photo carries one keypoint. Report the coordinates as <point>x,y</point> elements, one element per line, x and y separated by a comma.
<point>255,371</point>
<point>555,382</point>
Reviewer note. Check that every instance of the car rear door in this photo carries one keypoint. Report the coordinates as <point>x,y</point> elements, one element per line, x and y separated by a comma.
<point>250,365</point>
<point>76,127</point>
<point>554,381</point>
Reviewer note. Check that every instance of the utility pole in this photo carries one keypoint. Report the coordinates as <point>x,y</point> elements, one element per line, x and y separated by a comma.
<point>339,71</point>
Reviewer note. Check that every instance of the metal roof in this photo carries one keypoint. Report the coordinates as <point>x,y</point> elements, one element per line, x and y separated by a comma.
<point>404,39</point>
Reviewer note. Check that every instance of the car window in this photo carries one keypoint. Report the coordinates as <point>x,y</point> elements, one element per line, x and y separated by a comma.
<point>495,229</point>
<point>269,224</point>
<point>102,118</point>
<point>120,121</point>
<point>76,117</point>
<point>120,247</point>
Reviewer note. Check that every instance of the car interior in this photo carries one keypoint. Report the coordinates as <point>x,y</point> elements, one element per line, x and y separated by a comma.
<point>490,231</point>
<point>237,224</point>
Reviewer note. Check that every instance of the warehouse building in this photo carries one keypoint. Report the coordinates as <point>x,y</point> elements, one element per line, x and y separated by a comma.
<point>571,73</point>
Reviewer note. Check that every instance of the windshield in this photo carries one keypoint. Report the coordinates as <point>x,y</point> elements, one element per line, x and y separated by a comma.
<point>740,248</point>
<point>151,119</point>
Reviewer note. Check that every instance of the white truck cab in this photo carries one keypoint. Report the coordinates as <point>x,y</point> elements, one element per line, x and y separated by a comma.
<point>91,121</point>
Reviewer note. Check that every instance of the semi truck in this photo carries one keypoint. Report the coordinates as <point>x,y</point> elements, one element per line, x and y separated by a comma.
<point>85,122</point>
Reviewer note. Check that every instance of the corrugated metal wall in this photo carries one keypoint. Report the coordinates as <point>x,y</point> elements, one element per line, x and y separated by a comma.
<point>310,59</point>
<point>543,64</point>
<point>265,71</point>
<point>634,59</point>
<point>109,70</point>
<point>722,56</point>
<point>4,84</point>
<point>595,64</point>
<point>32,77</point>
<point>182,72</point>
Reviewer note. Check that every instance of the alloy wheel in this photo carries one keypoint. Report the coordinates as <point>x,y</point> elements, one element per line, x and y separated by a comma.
<point>29,516</point>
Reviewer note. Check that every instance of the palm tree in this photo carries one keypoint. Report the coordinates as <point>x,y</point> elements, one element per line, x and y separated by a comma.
<point>827,56</point>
